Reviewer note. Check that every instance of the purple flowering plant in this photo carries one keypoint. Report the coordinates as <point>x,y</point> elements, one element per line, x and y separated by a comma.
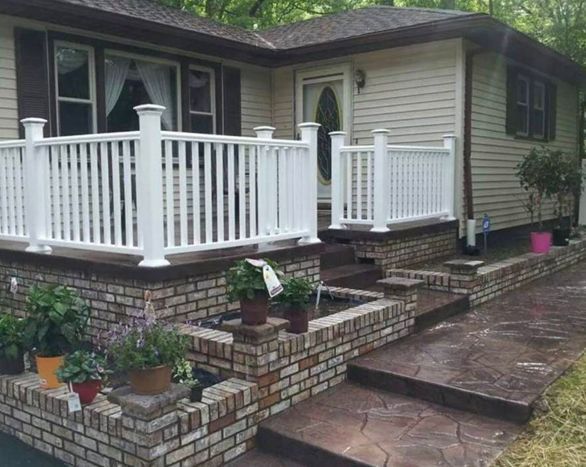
<point>145,342</point>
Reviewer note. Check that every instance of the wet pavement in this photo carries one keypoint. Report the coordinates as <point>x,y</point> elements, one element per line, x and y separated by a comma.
<point>444,396</point>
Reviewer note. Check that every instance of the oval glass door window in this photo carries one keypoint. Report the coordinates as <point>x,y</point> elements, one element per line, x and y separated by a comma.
<point>328,115</point>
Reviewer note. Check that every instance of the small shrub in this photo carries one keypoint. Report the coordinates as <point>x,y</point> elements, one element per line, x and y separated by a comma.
<point>296,292</point>
<point>57,320</point>
<point>245,280</point>
<point>11,336</point>
<point>82,366</point>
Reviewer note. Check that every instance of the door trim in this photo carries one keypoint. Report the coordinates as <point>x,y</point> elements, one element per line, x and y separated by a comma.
<point>324,74</point>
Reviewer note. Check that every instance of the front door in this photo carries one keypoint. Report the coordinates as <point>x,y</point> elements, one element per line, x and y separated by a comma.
<point>322,99</point>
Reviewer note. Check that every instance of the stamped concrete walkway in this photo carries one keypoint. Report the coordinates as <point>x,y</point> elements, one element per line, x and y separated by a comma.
<point>453,395</point>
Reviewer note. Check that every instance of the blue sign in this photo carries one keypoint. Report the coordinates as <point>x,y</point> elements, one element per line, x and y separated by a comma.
<point>485,224</point>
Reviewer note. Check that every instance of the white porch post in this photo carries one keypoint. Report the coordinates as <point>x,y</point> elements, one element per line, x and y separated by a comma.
<point>35,184</point>
<point>309,211</point>
<point>382,181</point>
<point>266,185</point>
<point>337,184</point>
<point>450,177</point>
<point>149,185</point>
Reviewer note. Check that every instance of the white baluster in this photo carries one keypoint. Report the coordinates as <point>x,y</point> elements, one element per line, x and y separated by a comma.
<point>309,212</point>
<point>35,185</point>
<point>450,176</point>
<point>265,182</point>
<point>381,181</point>
<point>337,181</point>
<point>149,182</point>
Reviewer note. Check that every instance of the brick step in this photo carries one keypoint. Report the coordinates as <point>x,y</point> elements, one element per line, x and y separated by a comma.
<point>335,255</point>
<point>354,426</point>
<point>355,276</point>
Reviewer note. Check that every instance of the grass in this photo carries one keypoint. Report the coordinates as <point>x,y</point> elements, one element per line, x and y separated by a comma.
<point>556,435</point>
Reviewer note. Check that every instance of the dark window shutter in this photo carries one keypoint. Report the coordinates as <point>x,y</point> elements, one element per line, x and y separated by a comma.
<point>232,101</point>
<point>551,107</point>
<point>512,116</point>
<point>32,76</point>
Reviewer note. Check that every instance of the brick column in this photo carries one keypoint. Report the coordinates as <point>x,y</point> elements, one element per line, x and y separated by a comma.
<point>463,275</point>
<point>254,347</point>
<point>402,289</point>
<point>150,424</point>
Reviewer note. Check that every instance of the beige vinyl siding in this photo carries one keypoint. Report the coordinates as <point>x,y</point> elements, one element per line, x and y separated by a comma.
<point>409,90</point>
<point>495,154</point>
<point>8,99</point>
<point>256,99</point>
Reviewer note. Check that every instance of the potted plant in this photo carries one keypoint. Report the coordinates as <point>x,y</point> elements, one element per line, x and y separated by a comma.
<point>183,374</point>
<point>295,300</point>
<point>85,371</point>
<point>567,179</point>
<point>147,350</point>
<point>11,345</point>
<point>56,323</point>
<point>535,176</point>
<point>246,284</point>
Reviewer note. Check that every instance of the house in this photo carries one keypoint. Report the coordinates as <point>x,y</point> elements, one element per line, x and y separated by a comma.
<point>84,65</point>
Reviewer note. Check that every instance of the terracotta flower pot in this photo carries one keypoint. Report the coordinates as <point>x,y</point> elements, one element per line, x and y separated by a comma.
<point>298,317</point>
<point>540,242</point>
<point>150,381</point>
<point>88,390</point>
<point>46,369</point>
<point>12,366</point>
<point>255,311</point>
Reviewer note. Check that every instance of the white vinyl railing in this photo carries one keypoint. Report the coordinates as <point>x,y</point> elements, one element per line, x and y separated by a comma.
<point>155,193</point>
<point>381,185</point>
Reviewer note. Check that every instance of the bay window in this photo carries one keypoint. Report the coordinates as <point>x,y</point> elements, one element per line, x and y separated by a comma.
<point>75,90</point>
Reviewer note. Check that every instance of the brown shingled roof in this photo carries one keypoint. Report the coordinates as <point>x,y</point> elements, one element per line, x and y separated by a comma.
<point>353,23</point>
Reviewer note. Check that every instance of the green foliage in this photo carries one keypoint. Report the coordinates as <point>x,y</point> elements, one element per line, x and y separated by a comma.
<point>11,336</point>
<point>245,280</point>
<point>296,292</point>
<point>183,374</point>
<point>535,176</point>
<point>82,366</point>
<point>566,182</point>
<point>57,319</point>
<point>145,343</point>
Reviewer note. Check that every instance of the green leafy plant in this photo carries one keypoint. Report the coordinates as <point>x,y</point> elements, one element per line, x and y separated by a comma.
<point>57,320</point>
<point>296,292</point>
<point>183,374</point>
<point>566,182</point>
<point>145,343</point>
<point>535,176</point>
<point>245,280</point>
<point>11,336</point>
<point>81,366</point>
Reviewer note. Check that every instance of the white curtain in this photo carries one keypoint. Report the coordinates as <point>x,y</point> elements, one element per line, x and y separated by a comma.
<point>157,81</point>
<point>116,74</point>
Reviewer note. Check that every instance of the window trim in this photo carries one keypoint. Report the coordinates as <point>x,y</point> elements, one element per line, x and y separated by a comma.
<point>212,83</point>
<point>544,108</point>
<point>92,101</point>
<point>527,104</point>
<point>160,61</point>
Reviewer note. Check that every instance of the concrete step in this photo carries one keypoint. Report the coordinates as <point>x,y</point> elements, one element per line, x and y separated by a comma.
<point>355,276</point>
<point>355,426</point>
<point>335,255</point>
<point>433,307</point>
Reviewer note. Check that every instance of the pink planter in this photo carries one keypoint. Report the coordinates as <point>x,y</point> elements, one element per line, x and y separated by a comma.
<point>540,242</point>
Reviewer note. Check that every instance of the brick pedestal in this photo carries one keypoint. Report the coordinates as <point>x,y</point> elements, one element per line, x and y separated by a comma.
<point>402,289</point>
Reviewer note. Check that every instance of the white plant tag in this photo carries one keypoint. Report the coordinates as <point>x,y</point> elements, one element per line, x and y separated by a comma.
<point>274,286</point>
<point>73,402</point>
<point>257,263</point>
<point>13,285</point>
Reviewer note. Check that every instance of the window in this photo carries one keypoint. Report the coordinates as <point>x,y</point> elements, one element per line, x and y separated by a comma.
<point>132,81</point>
<point>202,100</point>
<point>75,78</point>
<point>531,106</point>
